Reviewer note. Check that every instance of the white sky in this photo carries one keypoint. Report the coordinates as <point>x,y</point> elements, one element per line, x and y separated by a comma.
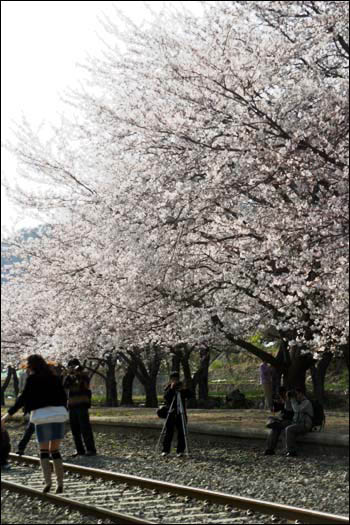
<point>41,43</point>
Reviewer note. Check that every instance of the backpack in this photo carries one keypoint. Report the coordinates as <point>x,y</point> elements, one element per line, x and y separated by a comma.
<point>319,417</point>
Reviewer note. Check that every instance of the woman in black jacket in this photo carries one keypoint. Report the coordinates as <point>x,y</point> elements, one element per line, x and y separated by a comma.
<point>44,389</point>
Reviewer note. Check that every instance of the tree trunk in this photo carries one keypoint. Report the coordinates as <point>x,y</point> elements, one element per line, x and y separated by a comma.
<point>295,375</point>
<point>318,374</point>
<point>185,358</point>
<point>127,386</point>
<point>175,362</point>
<point>202,374</point>
<point>146,375</point>
<point>283,361</point>
<point>345,351</point>
<point>151,394</point>
<point>111,384</point>
<point>15,382</point>
<point>188,380</point>
<point>5,385</point>
<point>291,363</point>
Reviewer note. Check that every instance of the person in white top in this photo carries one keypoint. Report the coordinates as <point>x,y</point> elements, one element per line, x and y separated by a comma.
<point>302,419</point>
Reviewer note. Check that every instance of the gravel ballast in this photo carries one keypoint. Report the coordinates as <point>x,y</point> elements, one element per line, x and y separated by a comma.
<point>319,483</point>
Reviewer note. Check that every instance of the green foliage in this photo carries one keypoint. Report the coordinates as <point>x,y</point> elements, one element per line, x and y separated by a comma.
<point>256,340</point>
<point>337,382</point>
<point>217,365</point>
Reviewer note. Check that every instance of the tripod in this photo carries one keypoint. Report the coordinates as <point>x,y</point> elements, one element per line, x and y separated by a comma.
<point>181,413</point>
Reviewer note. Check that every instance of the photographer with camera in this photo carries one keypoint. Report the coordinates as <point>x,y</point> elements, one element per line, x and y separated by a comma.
<point>77,384</point>
<point>174,420</point>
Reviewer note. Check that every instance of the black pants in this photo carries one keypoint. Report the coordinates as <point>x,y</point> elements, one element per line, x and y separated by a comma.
<point>26,436</point>
<point>5,447</point>
<point>81,429</point>
<point>275,433</point>
<point>174,421</point>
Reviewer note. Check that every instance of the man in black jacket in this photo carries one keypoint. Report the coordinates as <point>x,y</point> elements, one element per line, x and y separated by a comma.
<point>79,401</point>
<point>174,420</point>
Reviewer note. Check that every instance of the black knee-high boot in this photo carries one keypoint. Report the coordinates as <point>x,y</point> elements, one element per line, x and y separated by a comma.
<point>58,468</point>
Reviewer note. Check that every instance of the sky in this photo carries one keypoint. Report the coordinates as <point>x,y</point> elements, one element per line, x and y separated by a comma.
<point>41,44</point>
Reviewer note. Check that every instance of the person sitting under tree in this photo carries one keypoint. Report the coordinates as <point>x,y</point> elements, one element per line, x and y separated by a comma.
<point>300,424</point>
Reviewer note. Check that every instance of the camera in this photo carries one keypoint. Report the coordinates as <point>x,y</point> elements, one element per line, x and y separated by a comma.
<point>291,394</point>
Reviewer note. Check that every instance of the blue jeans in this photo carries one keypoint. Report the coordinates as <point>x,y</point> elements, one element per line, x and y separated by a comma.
<point>81,429</point>
<point>292,431</point>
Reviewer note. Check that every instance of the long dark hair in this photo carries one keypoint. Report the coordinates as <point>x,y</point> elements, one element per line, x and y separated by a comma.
<point>38,365</point>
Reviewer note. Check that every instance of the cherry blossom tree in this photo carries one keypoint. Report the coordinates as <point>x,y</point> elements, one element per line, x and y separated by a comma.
<point>201,193</point>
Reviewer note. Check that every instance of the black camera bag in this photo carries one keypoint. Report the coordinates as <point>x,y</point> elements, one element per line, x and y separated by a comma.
<point>162,411</point>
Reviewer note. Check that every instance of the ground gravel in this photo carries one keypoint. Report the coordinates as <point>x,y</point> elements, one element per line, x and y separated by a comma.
<point>319,483</point>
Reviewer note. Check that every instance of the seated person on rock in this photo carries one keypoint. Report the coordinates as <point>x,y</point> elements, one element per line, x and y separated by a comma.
<point>301,422</point>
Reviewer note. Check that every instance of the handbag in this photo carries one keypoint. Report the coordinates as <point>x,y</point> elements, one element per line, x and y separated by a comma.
<point>274,423</point>
<point>41,416</point>
<point>162,411</point>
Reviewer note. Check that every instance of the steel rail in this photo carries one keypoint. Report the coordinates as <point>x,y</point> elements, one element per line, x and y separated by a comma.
<point>83,508</point>
<point>264,507</point>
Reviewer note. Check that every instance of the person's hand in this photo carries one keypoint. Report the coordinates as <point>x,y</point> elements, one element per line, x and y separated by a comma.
<point>3,420</point>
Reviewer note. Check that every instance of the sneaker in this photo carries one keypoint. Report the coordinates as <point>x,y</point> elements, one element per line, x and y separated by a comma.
<point>269,452</point>
<point>291,455</point>
<point>164,454</point>
<point>19,452</point>
<point>76,454</point>
<point>180,454</point>
<point>90,453</point>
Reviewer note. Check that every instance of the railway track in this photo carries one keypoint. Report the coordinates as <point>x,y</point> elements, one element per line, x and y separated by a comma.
<point>121,498</point>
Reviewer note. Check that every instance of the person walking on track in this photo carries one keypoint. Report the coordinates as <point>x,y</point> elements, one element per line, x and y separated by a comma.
<point>44,397</point>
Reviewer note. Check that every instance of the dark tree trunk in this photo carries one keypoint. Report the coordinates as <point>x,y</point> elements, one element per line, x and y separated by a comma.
<point>127,386</point>
<point>175,362</point>
<point>201,375</point>
<point>151,394</point>
<point>292,363</point>
<point>111,383</point>
<point>5,385</point>
<point>282,363</point>
<point>147,377</point>
<point>188,380</point>
<point>295,375</point>
<point>318,375</point>
<point>185,361</point>
<point>345,351</point>
<point>15,382</point>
